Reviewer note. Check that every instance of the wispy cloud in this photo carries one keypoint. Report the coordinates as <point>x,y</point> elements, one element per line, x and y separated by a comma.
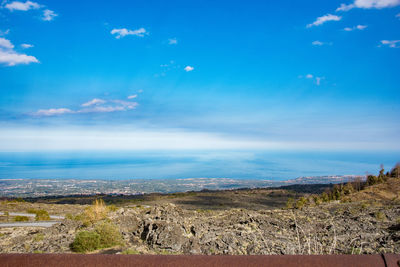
<point>48,15</point>
<point>313,77</point>
<point>25,46</point>
<point>124,32</point>
<point>172,41</point>
<point>21,6</point>
<point>132,96</point>
<point>125,104</point>
<point>53,111</point>
<point>319,43</point>
<point>188,68</point>
<point>95,101</point>
<point>368,4</point>
<point>2,33</point>
<point>101,109</point>
<point>95,105</point>
<point>9,57</point>
<point>321,20</point>
<point>358,27</point>
<point>344,7</point>
<point>398,16</point>
<point>390,43</point>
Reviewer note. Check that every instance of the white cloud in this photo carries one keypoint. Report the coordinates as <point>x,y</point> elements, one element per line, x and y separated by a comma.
<point>361,27</point>
<point>117,138</point>
<point>140,91</point>
<point>367,4</point>
<point>398,15</point>
<point>321,20</point>
<point>319,43</point>
<point>4,43</point>
<point>95,101</point>
<point>123,32</point>
<point>53,111</point>
<point>172,41</point>
<point>358,27</point>
<point>11,58</point>
<point>2,33</point>
<point>391,44</point>
<point>132,96</point>
<point>125,104</point>
<point>48,15</point>
<point>188,68</point>
<point>101,109</point>
<point>376,3</point>
<point>95,105</point>
<point>312,77</point>
<point>25,46</point>
<point>16,5</point>
<point>344,7</point>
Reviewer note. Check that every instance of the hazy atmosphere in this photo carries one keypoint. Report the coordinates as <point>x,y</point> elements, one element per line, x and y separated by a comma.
<point>240,127</point>
<point>199,75</point>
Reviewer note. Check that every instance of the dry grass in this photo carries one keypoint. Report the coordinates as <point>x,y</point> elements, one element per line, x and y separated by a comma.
<point>385,192</point>
<point>310,242</point>
<point>96,212</point>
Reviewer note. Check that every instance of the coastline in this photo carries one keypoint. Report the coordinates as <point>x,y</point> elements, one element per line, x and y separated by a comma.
<point>63,187</point>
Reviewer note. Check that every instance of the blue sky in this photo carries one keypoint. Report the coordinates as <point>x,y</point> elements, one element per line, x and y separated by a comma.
<point>132,75</point>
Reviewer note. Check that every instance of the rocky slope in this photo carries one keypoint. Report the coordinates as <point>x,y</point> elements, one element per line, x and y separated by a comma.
<point>364,222</point>
<point>331,228</point>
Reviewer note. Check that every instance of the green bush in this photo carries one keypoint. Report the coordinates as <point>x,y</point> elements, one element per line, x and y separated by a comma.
<point>130,251</point>
<point>21,219</point>
<point>105,235</point>
<point>41,215</point>
<point>317,200</point>
<point>38,237</point>
<point>325,197</point>
<point>290,203</point>
<point>372,179</point>
<point>301,202</point>
<point>109,234</point>
<point>380,216</point>
<point>86,241</point>
<point>395,172</point>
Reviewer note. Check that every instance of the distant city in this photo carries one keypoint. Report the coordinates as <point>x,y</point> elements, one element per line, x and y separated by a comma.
<point>61,187</point>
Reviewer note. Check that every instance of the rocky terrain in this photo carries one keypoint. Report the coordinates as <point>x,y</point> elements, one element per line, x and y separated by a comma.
<point>353,226</point>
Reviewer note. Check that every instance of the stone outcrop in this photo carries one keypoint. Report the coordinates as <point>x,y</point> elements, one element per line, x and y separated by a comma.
<point>326,229</point>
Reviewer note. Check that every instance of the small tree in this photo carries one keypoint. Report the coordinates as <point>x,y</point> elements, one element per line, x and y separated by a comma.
<point>357,183</point>
<point>348,189</point>
<point>372,179</point>
<point>325,197</point>
<point>317,200</point>
<point>395,172</point>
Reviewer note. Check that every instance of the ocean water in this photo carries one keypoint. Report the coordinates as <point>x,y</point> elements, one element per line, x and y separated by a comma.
<point>190,164</point>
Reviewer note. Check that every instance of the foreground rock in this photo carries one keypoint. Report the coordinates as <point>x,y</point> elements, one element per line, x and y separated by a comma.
<point>167,229</point>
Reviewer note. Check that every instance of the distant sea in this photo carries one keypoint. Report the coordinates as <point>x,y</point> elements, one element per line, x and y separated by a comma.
<point>252,165</point>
